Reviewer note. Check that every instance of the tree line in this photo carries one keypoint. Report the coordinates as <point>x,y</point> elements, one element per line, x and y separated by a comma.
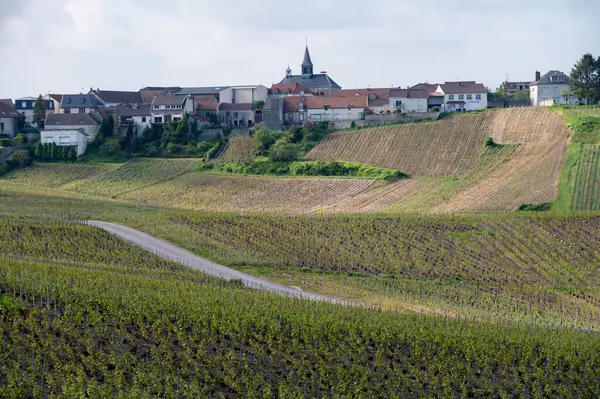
<point>585,79</point>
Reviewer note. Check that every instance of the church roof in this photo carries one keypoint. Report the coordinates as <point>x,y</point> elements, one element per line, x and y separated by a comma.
<point>311,81</point>
<point>307,61</point>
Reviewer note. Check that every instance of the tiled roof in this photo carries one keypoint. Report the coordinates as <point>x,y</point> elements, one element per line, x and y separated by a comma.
<point>546,79</point>
<point>206,102</point>
<point>292,104</point>
<point>128,110</point>
<point>6,111</point>
<point>427,86</point>
<point>312,81</point>
<point>469,87</point>
<point>409,93</point>
<point>56,97</point>
<point>292,88</point>
<point>168,99</point>
<point>119,97</point>
<point>201,90</point>
<point>198,118</point>
<point>378,102</point>
<point>70,120</point>
<point>148,95</point>
<point>80,101</point>
<point>7,101</point>
<point>236,107</point>
<point>372,93</point>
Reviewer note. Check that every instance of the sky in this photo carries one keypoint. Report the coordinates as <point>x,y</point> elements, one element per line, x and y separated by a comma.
<point>69,46</point>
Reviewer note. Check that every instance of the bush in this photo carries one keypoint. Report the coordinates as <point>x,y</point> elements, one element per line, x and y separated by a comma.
<point>110,147</point>
<point>20,140</point>
<point>264,139</point>
<point>543,207</point>
<point>152,151</point>
<point>173,148</point>
<point>5,143</point>
<point>283,151</point>
<point>191,149</point>
<point>489,142</point>
<point>435,109</point>
<point>19,158</point>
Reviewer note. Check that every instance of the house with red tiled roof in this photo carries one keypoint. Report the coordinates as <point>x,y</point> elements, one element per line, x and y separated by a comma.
<point>463,96</point>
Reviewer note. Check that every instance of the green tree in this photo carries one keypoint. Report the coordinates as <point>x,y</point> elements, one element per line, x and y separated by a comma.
<point>283,151</point>
<point>60,153</point>
<point>38,150</point>
<point>65,153</point>
<point>45,152</point>
<point>259,104</point>
<point>128,138</point>
<point>110,147</point>
<point>521,95</point>
<point>500,92</point>
<point>20,122</point>
<point>264,139</point>
<point>39,112</point>
<point>52,152</point>
<point>566,94</point>
<point>585,78</point>
<point>72,154</point>
<point>19,158</point>
<point>116,124</point>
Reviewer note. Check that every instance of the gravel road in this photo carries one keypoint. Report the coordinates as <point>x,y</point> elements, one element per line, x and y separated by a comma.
<point>171,252</point>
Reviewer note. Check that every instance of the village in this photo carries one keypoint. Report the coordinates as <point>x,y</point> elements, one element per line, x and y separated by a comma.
<point>298,100</point>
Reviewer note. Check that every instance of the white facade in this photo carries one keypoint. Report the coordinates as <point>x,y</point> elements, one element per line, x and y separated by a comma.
<point>465,102</point>
<point>66,138</point>
<point>139,123</point>
<point>352,114</point>
<point>8,126</point>
<point>90,130</point>
<point>163,113</point>
<point>541,95</point>
<point>407,105</point>
<point>76,110</point>
<point>249,94</point>
<point>245,118</point>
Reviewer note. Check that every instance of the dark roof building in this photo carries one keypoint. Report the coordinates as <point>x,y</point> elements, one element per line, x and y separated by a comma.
<point>318,83</point>
<point>465,87</point>
<point>7,111</point>
<point>168,100</point>
<point>7,101</point>
<point>58,120</point>
<point>81,101</point>
<point>118,97</point>
<point>551,78</point>
<point>28,103</point>
<point>131,110</point>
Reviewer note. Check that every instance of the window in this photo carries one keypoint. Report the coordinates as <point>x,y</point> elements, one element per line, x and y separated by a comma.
<point>291,117</point>
<point>227,114</point>
<point>82,100</point>
<point>176,119</point>
<point>68,101</point>
<point>326,107</point>
<point>67,111</point>
<point>235,115</point>
<point>82,110</point>
<point>301,117</point>
<point>398,103</point>
<point>23,104</point>
<point>361,116</point>
<point>143,119</point>
<point>315,116</point>
<point>1,126</point>
<point>461,96</point>
<point>451,97</point>
<point>477,96</point>
<point>349,114</point>
<point>158,119</point>
<point>469,96</point>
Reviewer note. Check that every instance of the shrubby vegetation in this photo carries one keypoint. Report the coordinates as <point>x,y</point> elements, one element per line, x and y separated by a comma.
<point>317,168</point>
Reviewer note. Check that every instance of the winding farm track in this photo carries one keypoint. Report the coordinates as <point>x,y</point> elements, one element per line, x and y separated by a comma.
<point>174,253</point>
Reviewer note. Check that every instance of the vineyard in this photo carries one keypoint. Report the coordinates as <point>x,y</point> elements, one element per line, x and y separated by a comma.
<point>239,149</point>
<point>587,180</point>
<point>208,192</point>
<point>82,313</point>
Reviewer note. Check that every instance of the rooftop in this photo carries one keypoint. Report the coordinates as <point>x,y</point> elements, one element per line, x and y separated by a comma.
<point>169,99</point>
<point>119,97</point>
<point>57,120</point>
<point>80,101</point>
<point>464,87</point>
<point>547,79</point>
<point>7,111</point>
<point>129,110</point>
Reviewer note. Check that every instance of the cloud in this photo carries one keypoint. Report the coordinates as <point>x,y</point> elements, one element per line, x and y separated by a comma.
<point>70,45</point>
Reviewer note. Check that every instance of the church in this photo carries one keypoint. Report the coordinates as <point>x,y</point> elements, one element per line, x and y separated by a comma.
<point>319,84</point>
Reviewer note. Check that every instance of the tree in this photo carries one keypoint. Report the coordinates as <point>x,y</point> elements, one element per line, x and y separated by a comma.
<point>585,78</point>
<point>110,147</point>
<point>283,151</point>
<point>128,138</point>
<point>19,158</point>
<point>38,150</point>
<point>116,121</point>
<point>72,154</point>
<point>264,139</point>
<point>500,92</point>
<point>521,95</point>
<point>20,122</point>
<point>52,152</point>
<point>39,112</point>
<point>566,94</point>
<point>260,104</point>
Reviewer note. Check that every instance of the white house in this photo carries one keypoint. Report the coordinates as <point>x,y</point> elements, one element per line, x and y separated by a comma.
<point>138,115</point>
<point>66,138</point>
<point>463,96</point>
<point>409,100</point>
<point>169,107</point>
<point>336,108</point>
<point>8,119</point>
<point>548,89</point>
<point>84,122</point>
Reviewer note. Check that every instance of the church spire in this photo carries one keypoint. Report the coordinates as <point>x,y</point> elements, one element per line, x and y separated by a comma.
<point>307,65</point>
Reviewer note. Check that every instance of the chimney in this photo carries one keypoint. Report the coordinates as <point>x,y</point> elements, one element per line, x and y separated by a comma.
<point>538,75</point>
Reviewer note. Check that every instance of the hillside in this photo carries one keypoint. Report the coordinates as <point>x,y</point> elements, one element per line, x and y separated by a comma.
<point>130,324</point>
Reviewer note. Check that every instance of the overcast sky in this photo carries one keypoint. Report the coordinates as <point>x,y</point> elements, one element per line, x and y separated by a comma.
<point>65,46</point>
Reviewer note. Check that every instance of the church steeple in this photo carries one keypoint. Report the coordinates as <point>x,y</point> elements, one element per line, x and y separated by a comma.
<point>307,65</point>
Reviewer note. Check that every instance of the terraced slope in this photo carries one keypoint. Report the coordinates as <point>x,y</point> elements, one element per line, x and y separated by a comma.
<point>53,175</point>
<point>586,195</point>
